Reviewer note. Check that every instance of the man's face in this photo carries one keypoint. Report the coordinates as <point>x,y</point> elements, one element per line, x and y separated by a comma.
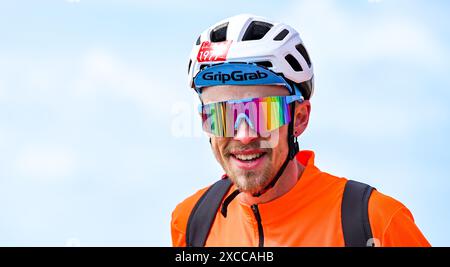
<point>247,158</point>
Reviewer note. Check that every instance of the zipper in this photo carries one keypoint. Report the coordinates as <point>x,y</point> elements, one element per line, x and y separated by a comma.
<point>260,228</point>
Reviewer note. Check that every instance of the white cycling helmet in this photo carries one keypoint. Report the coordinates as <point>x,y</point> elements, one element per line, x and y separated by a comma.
<point>253,39</point>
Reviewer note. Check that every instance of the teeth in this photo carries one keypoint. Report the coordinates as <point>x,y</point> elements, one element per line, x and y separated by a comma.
<point>249,156</point>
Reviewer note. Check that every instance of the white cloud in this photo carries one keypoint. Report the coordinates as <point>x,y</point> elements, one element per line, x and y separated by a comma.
<point>93,75</point>
<point>45,162</point>
<point>357,115</point>
<point>400,39</point>
<point>339,39</point>
<point>336,34</point>
<point>102,72</point>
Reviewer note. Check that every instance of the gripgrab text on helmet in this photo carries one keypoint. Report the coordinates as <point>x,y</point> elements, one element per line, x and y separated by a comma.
<point>235,76</point>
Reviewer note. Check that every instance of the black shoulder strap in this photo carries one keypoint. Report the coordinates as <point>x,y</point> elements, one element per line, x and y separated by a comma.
<point>203,214</point>
<point>355,215</point>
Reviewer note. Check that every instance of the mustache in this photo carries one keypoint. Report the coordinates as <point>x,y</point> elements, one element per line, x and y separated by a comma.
<point>237,147</point>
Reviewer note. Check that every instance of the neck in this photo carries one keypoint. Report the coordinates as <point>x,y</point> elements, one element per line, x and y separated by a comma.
<point>285,183</point>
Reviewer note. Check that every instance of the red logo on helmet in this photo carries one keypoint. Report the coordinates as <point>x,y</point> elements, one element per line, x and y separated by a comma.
<point>213,51</point>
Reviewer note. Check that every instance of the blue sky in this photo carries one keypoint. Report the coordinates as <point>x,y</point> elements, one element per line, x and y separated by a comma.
<point>98,138</point>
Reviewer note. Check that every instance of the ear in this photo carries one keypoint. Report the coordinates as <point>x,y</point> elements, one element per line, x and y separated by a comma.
<point>301,117</point>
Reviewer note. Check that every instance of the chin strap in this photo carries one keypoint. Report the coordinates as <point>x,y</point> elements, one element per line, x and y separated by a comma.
<point>293,150</point>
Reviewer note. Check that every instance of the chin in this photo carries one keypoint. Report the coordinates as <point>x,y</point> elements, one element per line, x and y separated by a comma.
<point>247,184</point>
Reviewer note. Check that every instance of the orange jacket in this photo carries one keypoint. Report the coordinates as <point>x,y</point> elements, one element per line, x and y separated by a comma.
<point>308,215</point>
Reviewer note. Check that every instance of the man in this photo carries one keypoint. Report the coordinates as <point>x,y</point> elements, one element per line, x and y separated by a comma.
<point>254,78</point>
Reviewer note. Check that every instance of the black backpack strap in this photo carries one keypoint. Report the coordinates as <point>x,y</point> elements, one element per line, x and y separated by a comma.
<point>203,214</point>
<point>355,215</point>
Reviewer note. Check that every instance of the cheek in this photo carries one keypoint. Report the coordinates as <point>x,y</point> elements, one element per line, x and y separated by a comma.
<point>218,145</point>
<point>279,144</point>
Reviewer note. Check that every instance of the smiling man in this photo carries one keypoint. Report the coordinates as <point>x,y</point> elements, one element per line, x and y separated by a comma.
<point>254,78</point>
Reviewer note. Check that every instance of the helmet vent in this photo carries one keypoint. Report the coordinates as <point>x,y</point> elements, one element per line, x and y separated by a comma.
<point>189,66</point>
<point>293,62</point>
<point>256,30</point>
<point>301,49</point>
<point>219,33</point>
<point>266,64</point>
<point>198,41</point>
<point>203,66</point>
<point>281,35</point>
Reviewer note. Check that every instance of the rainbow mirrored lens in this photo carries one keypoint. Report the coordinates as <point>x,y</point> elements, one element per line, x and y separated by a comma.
<point>263,115</point>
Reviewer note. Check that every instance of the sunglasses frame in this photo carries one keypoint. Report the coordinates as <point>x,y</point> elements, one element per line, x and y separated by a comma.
<point>288,98</point>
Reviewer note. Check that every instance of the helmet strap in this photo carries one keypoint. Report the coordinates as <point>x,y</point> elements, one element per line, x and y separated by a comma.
<point>293,150</point>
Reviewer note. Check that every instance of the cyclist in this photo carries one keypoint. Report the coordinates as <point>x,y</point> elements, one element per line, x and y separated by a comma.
<point>254,78</point>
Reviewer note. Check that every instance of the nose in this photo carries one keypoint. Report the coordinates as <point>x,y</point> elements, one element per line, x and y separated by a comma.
<point>244,133</point>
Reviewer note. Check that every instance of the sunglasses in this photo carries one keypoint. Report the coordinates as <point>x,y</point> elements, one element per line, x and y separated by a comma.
<point>262,114</point>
